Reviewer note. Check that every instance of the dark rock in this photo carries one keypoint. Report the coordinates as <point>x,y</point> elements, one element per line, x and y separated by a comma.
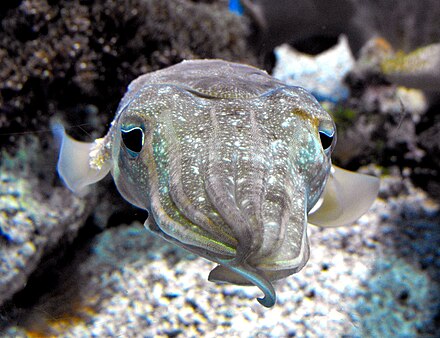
<point>37,216</point>
<point>57,56</point>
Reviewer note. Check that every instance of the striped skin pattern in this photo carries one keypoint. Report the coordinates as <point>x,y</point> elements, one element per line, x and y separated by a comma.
<point>230,165</point>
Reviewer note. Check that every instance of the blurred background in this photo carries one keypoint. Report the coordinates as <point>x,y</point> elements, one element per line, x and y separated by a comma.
<point>84,267</point>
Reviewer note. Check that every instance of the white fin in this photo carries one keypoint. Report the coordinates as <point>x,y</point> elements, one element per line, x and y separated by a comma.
<point>74,162</point>
<point>346,197</point>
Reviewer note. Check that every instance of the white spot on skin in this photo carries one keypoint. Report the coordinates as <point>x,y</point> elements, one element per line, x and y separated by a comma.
<point>276,144</point>
<point>164,90</point>
<point>244,202</point>
<point>271,180</point>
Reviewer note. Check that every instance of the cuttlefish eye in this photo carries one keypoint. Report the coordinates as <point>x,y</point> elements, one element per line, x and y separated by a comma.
<point>327,135</point>
<point>133,139</point>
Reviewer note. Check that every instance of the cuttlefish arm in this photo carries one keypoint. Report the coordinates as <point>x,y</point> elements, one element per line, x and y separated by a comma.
<point>236,274</point>
<point>346,197</point>
<point>80,163</point>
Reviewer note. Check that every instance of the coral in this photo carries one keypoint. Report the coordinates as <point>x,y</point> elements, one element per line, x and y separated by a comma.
<point>132,283</point>
<point>62,56</point>
<point>418,69</point>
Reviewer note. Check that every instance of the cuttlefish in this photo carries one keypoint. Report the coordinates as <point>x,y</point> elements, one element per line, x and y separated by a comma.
<point>230,163</point>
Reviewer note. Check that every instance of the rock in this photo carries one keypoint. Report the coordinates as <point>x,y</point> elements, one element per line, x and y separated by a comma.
<point>61,57</point>
<point>134,284</point>
<point>35,217</point>
<point>417,69</point>
<point>322,75</point>
<point>427,174</point>
<point>385,118</point>
<point>379,126</point>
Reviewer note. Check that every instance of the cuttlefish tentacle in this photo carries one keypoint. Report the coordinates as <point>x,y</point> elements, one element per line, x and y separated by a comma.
<point>239,272</point>
<point>221,187</point>
<point>179,196</point>
<point>235,184</point>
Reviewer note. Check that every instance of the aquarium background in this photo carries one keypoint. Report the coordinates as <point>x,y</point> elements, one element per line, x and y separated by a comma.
<point>83,267</point>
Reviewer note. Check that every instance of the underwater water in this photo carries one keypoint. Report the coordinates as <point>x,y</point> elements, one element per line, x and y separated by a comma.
<point>73,266</point>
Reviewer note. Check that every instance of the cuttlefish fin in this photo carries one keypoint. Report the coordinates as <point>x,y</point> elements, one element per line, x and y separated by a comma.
<point>74,162</point>
<point>240,275</point>
<point>346,197</point>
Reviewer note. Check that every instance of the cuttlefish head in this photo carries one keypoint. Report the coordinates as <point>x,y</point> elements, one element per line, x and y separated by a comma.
<point>230,177</point>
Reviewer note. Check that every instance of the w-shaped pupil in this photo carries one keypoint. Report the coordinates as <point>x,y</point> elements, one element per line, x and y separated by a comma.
<point>326,140</point>
<point>133,139</point>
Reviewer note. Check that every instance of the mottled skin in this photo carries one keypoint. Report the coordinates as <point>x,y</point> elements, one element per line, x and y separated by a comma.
<point>230,164</point>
